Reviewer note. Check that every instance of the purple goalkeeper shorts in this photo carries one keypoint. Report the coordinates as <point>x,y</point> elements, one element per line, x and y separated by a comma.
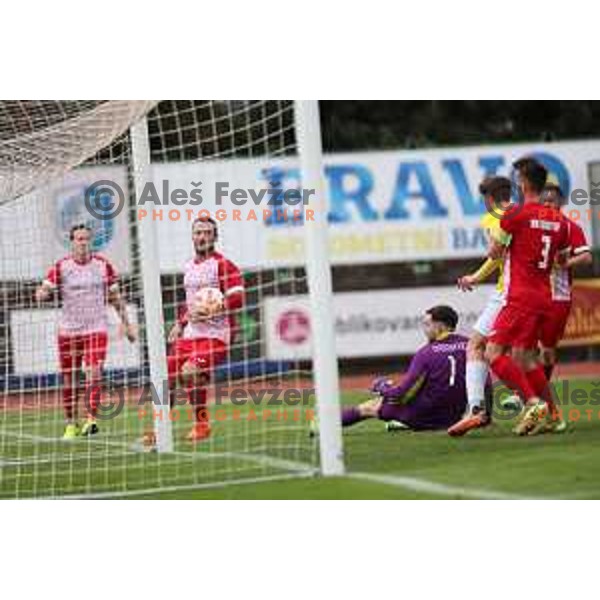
<point>421,415</point>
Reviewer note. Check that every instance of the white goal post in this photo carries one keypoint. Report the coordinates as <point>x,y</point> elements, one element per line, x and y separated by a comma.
<point>150,261</point>
<point>321,293</point>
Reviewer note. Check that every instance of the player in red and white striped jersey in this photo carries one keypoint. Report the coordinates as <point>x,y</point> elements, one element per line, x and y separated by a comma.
<point>86,282</point>
<point>562,279</point>
<point>200,340</point>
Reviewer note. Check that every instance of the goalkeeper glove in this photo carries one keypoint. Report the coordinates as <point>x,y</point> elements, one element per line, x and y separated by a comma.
<point>381,385</point>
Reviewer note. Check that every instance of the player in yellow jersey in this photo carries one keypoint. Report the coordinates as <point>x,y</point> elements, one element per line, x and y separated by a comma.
<point>496,192</point>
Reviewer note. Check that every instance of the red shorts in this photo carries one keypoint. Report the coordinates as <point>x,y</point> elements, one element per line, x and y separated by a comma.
<point>520,327</point>
<point>204,352</point>
<point>556,329</point>
<point>88,348</point>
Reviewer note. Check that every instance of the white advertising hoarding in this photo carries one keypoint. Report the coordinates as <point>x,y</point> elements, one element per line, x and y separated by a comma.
<point>382,206</point>
<point>376,323</point>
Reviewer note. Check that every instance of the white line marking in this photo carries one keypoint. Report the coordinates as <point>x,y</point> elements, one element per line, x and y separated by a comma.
<point>441,489</point>
<point>178,488</point>
<point>53,459</point>
<point>277,463</point>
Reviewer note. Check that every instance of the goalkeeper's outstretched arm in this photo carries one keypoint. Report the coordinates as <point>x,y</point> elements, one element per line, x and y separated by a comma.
<point>406,391</point>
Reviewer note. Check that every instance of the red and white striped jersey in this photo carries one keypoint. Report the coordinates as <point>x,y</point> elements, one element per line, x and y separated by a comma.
<point>213,271</point>
<point>84,289</point>
<point>562,279</point>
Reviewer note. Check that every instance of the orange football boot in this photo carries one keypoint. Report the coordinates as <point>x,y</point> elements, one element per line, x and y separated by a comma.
<point>200,431</point>
<point>474,419</point>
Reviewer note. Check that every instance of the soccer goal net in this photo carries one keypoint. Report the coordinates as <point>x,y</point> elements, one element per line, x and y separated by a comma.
<point>158,329</point>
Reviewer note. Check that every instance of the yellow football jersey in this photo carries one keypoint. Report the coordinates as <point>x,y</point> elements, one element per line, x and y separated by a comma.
<point>491,226</point>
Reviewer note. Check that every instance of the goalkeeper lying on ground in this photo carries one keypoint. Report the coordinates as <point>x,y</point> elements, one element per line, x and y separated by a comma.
<point>433,394</point>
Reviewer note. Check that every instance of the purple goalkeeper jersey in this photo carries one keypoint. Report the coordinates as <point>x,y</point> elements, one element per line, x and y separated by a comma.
<point>433,393</point>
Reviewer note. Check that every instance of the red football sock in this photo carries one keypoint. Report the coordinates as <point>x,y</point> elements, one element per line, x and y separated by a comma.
<point>198,397</point>
<point>92,393</point>
<point>539,384</point>
<point>548,370</point>
<point>507,370</point>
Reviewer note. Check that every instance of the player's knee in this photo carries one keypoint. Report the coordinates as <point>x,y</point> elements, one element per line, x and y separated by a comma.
<point>528,359</point>
<point>92,373</point>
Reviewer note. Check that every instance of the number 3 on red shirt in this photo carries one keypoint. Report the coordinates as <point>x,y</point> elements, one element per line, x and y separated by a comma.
<point>547,242</point>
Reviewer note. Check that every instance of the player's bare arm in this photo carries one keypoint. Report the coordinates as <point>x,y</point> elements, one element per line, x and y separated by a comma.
<point>584,258</point>
<point>467,283</point>
<point>175,333</point>
<point>44,291</point>
<point>177,330</point>
<point>115,299</point>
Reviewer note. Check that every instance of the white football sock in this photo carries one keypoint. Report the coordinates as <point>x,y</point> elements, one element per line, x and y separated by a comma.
<point>477,374</point>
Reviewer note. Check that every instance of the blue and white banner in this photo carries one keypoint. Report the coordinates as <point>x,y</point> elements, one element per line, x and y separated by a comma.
<point>381,206</point>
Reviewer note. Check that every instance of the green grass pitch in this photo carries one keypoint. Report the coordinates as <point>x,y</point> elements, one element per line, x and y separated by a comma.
<point>491,463</point>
